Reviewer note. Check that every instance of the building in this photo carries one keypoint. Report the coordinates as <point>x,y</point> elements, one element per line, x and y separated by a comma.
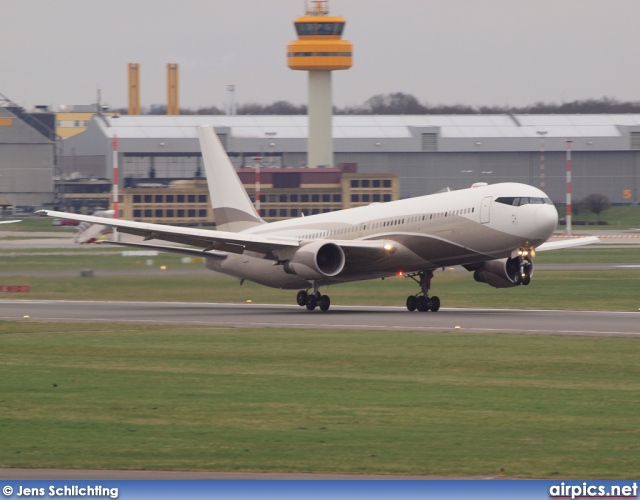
<point>74,119</point>
<point>284,193</point>
<point>426,153</point>
<point>27,159</point>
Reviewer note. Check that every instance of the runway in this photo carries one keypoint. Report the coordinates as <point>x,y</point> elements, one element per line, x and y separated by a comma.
<point>391,319</point>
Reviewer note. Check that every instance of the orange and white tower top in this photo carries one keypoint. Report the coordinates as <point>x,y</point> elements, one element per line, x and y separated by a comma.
<point>319,50</point>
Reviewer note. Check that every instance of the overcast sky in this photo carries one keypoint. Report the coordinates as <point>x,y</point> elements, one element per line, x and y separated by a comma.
<point>473,52</point>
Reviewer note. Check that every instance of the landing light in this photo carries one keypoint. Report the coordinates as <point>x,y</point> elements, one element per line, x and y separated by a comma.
<point>400,273</point>
<point>389,248</point>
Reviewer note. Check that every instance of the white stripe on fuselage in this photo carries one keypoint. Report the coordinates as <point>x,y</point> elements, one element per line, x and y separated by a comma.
<point>425,215</point>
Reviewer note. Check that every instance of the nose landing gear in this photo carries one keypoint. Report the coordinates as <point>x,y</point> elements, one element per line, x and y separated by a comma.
<point>525,258</point>
<point>421,301</point>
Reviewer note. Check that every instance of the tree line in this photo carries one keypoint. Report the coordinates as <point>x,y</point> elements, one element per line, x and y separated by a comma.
<point>399,103</point>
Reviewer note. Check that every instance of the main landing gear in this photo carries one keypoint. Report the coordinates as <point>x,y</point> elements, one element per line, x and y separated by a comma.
<point>421,301</point>
<point>314,299</point>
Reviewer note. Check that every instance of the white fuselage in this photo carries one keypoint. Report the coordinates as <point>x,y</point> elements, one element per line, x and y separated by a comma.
<point>450,228</point>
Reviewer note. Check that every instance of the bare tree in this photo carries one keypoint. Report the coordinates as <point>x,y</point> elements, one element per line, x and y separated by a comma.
<point>596,203</point>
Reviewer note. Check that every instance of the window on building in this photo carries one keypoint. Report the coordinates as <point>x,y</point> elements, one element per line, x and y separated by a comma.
<point>337,198</point>
<point>386,197</point>
<point>326,198</point>
<point>148,198</point>
<point>159,213</point>
<point>191,212</point>
<point>202,213</point>
<point>180,213</point>
<point>283,198</point>
<point>191,198</point>
<point>376,183</point>
<point>365,183</point>
<point>202,198</point>
<point>180,198</point>
<point>137,198</point>
<point>148,213</point>
<point>159,198</point>
<point>304,198</point>
<point>137,214</point>
<point>169,198</point>
<point>170,213</point>
<point>315,198</point>
<point>386,183</point>
<point>272,212</point>
<point>354,183</point>
<point>365,198</point>
<point>283,212</point>
<point>293,197</point>
<point>294,212</point>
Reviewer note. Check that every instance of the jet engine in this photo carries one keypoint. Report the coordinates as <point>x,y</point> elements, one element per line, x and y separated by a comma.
<point>504,273</point>
<point>316,260</point>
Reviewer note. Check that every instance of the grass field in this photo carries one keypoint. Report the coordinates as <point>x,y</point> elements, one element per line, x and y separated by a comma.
<point>615,290</point>
<point>142,397</point>
<point>157,397</point>
<point>623,217</point>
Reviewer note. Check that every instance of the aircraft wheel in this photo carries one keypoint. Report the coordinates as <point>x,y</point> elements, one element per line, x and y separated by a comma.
<point>412,302</point>
<point>311,302</point>
<point>301,299</point>
<point>526,279</point>
<point>422,304</point>
<point>434,303</point>
<point>516,278</point>
<point>325,303</point>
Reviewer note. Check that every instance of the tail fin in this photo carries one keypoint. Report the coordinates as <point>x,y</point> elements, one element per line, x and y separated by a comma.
<point>232,207</point>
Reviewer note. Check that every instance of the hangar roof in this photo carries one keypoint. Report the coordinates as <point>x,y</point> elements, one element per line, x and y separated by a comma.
<point>378,126</point>
<point>391,133</point>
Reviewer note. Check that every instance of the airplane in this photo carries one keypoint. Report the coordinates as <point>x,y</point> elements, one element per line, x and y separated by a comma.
<point>491,230</point>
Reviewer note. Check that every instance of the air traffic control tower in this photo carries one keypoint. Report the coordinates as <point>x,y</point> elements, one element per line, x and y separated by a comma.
<point>319,50</point>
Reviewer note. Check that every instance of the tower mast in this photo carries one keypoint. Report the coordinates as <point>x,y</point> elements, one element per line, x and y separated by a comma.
<point>319,50</point>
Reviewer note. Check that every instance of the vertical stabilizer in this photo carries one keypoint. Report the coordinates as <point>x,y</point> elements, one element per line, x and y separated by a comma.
<point>232,207</point>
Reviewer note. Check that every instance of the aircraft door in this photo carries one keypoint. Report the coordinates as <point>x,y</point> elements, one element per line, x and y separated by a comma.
<point>485,209</point>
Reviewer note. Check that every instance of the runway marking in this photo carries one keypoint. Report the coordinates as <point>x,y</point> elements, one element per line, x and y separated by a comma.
<point>308,326</point>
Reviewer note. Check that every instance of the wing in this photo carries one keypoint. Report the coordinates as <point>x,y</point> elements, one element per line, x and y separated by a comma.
<point>9,221</point>
<point>570,243</point>
<point>206,239</point>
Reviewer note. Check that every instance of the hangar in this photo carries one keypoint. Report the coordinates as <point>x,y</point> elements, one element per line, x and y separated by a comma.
<point>427,152</point>
<point>26,159</point>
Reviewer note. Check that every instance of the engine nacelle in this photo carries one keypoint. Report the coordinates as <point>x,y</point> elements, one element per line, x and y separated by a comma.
<point>316,260</point>
<point>503,273</point>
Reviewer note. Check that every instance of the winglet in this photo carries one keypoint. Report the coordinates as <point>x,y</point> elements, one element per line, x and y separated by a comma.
<point>232,208</point>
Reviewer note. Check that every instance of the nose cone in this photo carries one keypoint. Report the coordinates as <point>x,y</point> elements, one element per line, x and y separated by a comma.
<point>546,220</point>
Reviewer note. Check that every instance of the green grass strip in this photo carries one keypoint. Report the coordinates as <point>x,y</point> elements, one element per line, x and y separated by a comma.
<point>154,397</point>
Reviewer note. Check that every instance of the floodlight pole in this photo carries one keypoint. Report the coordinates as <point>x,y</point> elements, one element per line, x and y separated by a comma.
<point>542,133</point>
<point>568,231</point>
<point>257,160</point>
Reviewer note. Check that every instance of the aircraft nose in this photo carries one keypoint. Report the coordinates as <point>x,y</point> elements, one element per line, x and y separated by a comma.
<point>546,219</point>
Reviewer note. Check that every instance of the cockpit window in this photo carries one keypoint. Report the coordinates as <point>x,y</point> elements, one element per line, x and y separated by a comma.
<point>518,202</point>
